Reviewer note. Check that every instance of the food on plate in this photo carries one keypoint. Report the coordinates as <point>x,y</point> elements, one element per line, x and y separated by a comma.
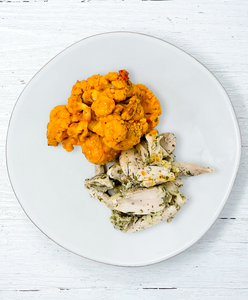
<point>144,182</point>
<point>113,119</point>
<point>104,115</point>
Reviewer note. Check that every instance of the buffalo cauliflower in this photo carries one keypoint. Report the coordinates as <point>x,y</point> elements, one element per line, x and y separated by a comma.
<point>104,115</point>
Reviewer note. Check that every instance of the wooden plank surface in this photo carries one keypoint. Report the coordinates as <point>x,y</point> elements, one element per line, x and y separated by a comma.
<point>32,266</point>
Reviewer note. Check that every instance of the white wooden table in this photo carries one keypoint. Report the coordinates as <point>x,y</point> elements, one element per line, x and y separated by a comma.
<point>31,265</point>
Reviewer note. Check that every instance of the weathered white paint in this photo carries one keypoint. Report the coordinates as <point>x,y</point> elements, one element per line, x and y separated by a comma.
<point>32,266</point>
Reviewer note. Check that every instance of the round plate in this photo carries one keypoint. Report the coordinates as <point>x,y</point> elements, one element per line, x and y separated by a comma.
<point>49,182</point>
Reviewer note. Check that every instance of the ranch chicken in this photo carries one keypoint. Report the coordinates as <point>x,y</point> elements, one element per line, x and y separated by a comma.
<point>144,183</point>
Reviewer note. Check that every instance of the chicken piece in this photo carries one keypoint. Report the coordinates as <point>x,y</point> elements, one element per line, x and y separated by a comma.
<point>60,119</point>
<point>142,149</point>
<point>115,172</point>
<point>135,163</point>
<point>98,186</point>
<point>157,153</point>
<point>149,192</point>
<point>99,169</point>
<point>141,201</point>
<point>153,175</point>
<point>131,162</point>
<point>127,221</point>
<point>133,166</point>
<point>152,219</point>
<point>175,201</point>
<point>122,221</point>
<point>150,105</point>
<point>178,197</point>
<point>178,182</point>
<point>124,160</point>
<point>168,142</point>
<point>101,183</point>
<point>96,151</point>
<point>191,169</point>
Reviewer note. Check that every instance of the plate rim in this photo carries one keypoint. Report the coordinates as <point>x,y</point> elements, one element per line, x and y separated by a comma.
<point>217,213</point>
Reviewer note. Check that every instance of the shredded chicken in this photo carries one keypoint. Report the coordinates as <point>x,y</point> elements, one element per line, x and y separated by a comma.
<point>99,169</point>
<point>168,142</point>
<point>191,169</point>
<point>152,219</point>
<point>145,183</point>
<point>141,201</point>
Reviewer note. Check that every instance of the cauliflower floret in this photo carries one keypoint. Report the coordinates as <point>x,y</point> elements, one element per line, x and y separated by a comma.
<point>151,106</point>
<point>76,133</point>
<point>121,86</point>
<point>135,130</point>
<point>75,103</point>
<point>97,82</point>
<point>82,91</point>
<point>130,108</point>
<point>103,106</point>
<point>112,128</point>
<point>119,134</point>
<point>96,151</point>
<point>60,119</point>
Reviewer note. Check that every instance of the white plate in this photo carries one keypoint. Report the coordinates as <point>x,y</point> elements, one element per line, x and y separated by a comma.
<point>48,181</point>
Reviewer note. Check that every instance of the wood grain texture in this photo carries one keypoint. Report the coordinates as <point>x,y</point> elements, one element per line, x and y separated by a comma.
<point>32,266</point>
